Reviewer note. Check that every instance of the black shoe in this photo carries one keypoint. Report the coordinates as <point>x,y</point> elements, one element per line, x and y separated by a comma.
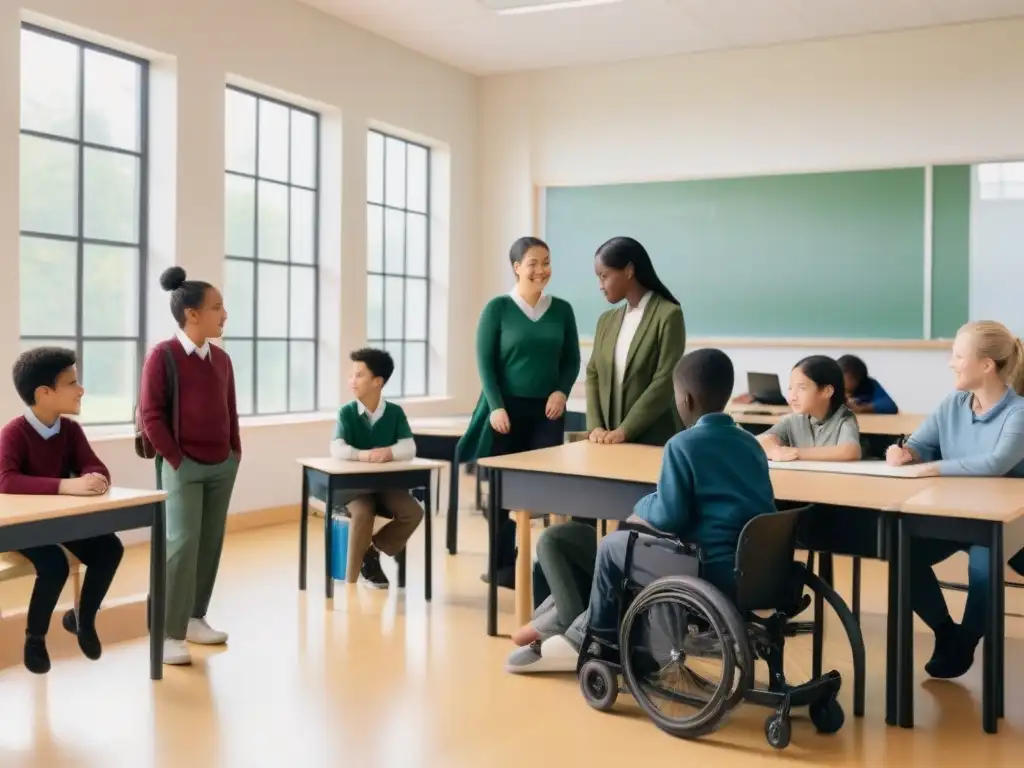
<point>371,573</point>
<point>954,653</point>
<point>506,577</point>
<point>88,640</point>
<point>37,659</point>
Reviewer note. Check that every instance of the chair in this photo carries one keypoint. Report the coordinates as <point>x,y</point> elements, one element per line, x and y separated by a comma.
<point>15,566</point>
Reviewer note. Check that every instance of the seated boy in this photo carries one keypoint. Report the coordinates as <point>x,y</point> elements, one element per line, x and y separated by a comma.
<point>864,394</point>
<point>714,479</point>
<point>373,430</point>
<point>44,453</point>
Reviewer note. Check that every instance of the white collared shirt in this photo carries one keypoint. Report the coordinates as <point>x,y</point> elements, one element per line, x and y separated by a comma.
<point>403,450</point>
<point>627,331</point>
<point>535,313</point>
<point>44,431</point>
<point>190,346</point>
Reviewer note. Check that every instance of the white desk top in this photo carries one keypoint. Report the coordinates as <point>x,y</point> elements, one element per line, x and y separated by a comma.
<point>331,466</point>
<point>26,509</point>
<point>872,468</point>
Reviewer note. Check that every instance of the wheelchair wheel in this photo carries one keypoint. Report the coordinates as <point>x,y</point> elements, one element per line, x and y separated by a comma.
<point>680,657</point>
<point>599,684</point>
<point>778,731</point>
<point>827,715</point>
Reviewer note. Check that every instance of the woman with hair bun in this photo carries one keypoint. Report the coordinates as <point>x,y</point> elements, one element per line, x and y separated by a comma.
<point>194,430</point>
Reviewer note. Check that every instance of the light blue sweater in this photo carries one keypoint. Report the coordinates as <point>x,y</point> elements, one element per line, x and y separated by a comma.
<point>965,443</point>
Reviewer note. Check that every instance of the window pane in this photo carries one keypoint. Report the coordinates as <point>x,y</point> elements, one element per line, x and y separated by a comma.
<point>240,132</point>
<point>416,309</point>
<point>416,244</point>
<point>375,307</point>
<point>27,344</point>
<point>393,300</point>
<point>374,167</point>
<point>49,174</point>
<point>394,241</point>
<point>302,376</point>
<point>111,100</point>
<point>239,215</point>
<point>272,376</point>
<point>303,149</point>
<point>394,181</point>
<point>271,304</point>
<point>241,361</point>
<point>48,278</point>
<point>417,178</point>
<point>108,373</point>
<point>110,291</point>
<point>49,85</point>
<point>273,140</point>
<point>111,196</point>
<point>238,296</point>
<point>303,302</point>
<point>375,238</point>
<point>415,369</point>
<point>394,386</point>
<point>273,221</point>
<point>303,226</point>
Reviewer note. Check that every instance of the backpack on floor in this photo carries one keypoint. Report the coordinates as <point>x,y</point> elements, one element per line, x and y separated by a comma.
<point>143,447</point>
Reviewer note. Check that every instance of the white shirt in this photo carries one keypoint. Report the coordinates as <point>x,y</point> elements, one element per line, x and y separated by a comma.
<point>403,450</point>
<point>44,431</point>
<point>628,329</point>
<point>190,346</point>
<point>535,313</point>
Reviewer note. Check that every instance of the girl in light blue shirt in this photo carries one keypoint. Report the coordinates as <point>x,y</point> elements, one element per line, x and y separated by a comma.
<point>978,431</point>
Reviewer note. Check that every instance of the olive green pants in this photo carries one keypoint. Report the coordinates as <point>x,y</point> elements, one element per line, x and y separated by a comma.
<point>197,512</point>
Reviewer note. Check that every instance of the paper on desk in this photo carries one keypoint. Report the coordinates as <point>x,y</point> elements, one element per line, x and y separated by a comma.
<point>875,468</point>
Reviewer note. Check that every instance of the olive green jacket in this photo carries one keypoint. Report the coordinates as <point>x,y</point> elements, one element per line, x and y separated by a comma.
<point>648,409</point>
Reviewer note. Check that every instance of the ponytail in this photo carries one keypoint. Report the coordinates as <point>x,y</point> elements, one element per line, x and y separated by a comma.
<point>619,252</point>
<point>1015,368</point>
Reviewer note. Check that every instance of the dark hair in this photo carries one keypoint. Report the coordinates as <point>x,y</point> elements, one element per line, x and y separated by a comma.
<point>520,247</point>
<point>40,367</point>
<point>824,372</point>
<point>621,251</point>
<point>378,361</point>
<point>707,375</point>
<point>854,366</point>
<point>185,294</point>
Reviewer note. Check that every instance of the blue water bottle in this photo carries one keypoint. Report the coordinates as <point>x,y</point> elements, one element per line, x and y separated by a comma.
<point>339,553</point>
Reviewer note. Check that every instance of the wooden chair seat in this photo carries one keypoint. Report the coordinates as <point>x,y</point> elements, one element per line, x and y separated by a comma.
<point>14,566</point>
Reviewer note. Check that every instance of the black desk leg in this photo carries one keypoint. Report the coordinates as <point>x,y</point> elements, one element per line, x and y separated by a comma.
<point>493,496</point>
<point>991,695</point>
<point>453,505</point>
<point>905,631</point>
<point>428,514</point>
<point>856,588</point>
<point>328,542</point>
<point>157,590</point>
<point>825,571</point>
<point>304,527</point>
<point>891,631</point>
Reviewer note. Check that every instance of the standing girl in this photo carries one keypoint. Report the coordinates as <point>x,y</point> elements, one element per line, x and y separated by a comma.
<point>194,429</point>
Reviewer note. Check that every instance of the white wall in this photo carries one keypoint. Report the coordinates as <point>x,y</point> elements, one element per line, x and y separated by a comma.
<point>946,95</point>
<point>997,259</point>
<point>354,79</point>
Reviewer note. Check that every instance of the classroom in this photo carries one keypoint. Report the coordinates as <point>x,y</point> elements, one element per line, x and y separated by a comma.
<point>808,178</point>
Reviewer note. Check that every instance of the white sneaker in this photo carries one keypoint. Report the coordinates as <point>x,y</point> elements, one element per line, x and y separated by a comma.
<point>201,633</point>
<point>176,652</point>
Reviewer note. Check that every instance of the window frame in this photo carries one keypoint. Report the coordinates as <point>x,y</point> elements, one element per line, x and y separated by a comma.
<point>404,275</point>
<point>80,240</point>
<point>254,339</point>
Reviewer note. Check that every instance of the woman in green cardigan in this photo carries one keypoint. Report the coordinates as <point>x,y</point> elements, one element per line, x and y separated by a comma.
<point>528,356</point>
<point>636,347</point>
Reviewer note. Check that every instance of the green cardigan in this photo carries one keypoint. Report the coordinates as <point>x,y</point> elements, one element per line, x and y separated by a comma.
<point>519,357</point>
<point>648,399</point>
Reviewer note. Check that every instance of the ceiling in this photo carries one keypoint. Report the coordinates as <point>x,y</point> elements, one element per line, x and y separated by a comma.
<point>465,34</point>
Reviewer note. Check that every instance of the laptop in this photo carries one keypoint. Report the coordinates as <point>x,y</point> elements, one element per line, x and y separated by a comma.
<point>765,388</point>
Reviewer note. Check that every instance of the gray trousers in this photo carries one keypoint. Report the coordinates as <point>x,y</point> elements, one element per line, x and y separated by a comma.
<point>565,554</point>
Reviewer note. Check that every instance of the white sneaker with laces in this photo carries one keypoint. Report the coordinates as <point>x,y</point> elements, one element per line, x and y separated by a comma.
<point>201,633</point>
<point>176,652</point>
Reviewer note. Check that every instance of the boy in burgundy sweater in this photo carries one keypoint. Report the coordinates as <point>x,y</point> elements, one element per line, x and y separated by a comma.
<point>44,453</point>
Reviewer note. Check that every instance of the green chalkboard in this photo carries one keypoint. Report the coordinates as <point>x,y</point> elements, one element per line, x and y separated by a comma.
<point>807,255</point>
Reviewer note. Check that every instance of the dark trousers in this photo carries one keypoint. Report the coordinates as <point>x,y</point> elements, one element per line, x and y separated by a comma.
<point>100,555</point>
<point>530,430</point>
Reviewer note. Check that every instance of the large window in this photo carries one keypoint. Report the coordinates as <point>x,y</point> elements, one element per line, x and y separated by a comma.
<point>398,258</point>
<point>1001,181</point>
<point>270,285</point>
<point>83,212</point>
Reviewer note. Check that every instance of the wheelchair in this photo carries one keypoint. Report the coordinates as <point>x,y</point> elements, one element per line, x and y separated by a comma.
<point>684,645</point>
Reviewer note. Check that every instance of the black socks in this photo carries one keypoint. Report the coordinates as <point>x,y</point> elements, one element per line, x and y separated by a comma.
<point>954,652</point>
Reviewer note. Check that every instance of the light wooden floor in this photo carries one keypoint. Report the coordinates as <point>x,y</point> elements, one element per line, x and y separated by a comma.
<point>385,680</point>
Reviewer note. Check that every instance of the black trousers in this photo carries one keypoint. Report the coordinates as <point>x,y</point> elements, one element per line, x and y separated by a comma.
<point>100,555</point>
<point>530,430</point>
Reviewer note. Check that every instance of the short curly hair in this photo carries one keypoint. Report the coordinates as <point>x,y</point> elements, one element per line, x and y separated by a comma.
<point>40,367</point>
<point>378,361</point>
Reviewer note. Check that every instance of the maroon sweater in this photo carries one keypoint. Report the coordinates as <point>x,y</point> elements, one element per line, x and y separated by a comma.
<point>31,464</point>
<point>207,415</point>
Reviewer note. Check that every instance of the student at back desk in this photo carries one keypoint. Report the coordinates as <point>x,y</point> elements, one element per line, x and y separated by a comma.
<point>864,394</point>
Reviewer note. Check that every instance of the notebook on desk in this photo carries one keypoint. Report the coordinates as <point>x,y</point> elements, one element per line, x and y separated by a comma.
<point>765,388</point>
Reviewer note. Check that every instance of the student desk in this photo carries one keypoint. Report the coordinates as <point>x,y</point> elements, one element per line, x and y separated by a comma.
<point>870,423</point>
<point>364,476</point>
<point>33,521</point>
<point>438,438</point>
